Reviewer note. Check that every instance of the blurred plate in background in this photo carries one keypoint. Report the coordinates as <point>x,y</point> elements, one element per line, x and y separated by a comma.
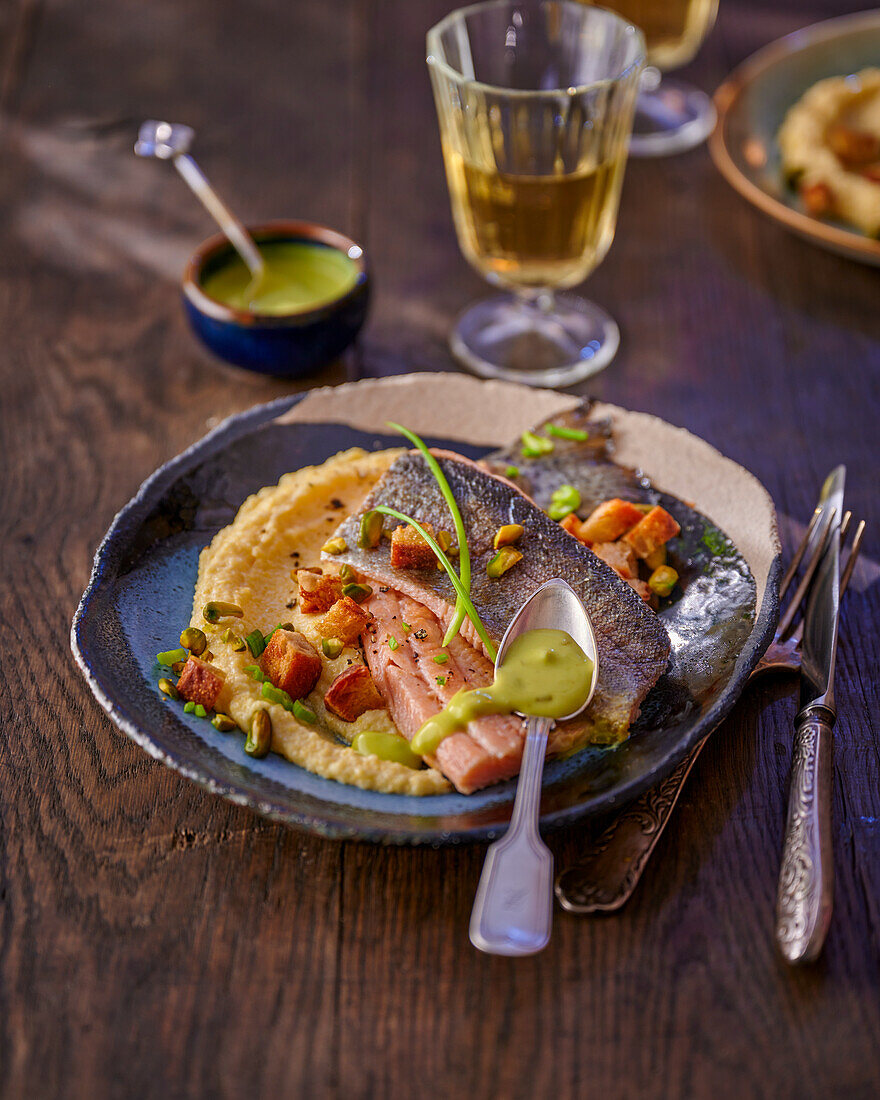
<point>752,104</point>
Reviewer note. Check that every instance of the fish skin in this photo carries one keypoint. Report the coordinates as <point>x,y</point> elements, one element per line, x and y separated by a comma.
<point>632,643</point>
<point>585,464</point>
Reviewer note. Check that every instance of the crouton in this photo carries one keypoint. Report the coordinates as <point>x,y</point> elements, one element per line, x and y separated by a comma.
<point>818,199</point>
<point>571,524</point>
<point>619,556</point>
<point>609,521</point>
<point>853,147</point>
<point>200,682</point>
<point>409,550</point>
<point>352,693</point>
<point>291,662</point>
<point>317,593</point>
<point>655,529</point>
<point>345,620</point>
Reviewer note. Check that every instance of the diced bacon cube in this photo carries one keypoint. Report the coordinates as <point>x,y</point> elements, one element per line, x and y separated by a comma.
<point>200,682</point>
<point>609,521</point>
<point>346,620</point>
<point>291,662</point>
<point>619,556</point>
<point>655,529</point>
<point>571,524</point>
<point>317,593</point>
<point>409,550</point>
<point>352,693</point>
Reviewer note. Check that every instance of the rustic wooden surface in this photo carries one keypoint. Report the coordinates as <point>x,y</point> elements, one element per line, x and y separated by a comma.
<point>157,941</point>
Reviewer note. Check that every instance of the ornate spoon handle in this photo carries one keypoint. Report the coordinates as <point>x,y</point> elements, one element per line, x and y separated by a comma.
<point>806,877</point>
<point>513,909</point>
<point>605,879</point>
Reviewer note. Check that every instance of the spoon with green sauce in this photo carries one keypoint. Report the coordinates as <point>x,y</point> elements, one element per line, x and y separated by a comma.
<point>546,669</point>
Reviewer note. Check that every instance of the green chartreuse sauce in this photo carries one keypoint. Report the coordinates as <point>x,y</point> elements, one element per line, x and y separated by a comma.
<point>386,746</point>
<point>298,276</point>
<point>545,673</point>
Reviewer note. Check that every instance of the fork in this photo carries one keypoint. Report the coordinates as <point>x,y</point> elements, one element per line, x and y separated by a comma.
<point>605,878</point>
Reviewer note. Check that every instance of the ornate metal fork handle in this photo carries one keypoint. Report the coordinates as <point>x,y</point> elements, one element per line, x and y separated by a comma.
<point>604,879</point>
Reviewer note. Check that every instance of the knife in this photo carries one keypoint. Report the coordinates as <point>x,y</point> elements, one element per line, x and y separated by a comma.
<point>806,877</point>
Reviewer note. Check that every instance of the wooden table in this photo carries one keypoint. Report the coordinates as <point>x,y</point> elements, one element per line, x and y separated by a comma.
<point>157,941</point>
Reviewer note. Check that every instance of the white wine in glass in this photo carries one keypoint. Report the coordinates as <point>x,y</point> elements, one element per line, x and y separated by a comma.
<point>535,100</point>
<point>671,115</point>
<point>535,231</point>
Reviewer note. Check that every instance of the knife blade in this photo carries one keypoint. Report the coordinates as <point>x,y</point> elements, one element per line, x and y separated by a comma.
<point>806,876</point>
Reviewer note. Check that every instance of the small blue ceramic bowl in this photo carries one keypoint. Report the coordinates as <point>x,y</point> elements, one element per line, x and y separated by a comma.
<point>288,346</point>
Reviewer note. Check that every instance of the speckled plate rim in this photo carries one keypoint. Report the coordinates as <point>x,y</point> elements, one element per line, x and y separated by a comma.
<point>852,244</point>
<point>393,396</point>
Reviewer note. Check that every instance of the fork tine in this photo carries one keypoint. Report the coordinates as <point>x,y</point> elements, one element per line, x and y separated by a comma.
<point>845,575</point>
<point>853,556</point>
<point>801,590</point>
<point>799,553</point>
<point>844,526</point>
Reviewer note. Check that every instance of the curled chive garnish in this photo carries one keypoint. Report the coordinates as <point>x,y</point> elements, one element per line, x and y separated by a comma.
<point>463,596</point>
<point>256,643</point>
<point>463,552</point>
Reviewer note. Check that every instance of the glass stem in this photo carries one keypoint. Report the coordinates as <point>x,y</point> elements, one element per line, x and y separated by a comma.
<point>535,298</point>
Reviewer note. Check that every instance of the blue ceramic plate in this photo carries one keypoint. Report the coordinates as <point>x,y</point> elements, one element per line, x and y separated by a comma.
<point>752,104</point>
<point>140,595</point>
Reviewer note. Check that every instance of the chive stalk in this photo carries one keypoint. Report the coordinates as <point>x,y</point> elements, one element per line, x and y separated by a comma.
<point>171,656</point>
<point>577,434</point>
<point>464,556</point>
<point>457,584</point>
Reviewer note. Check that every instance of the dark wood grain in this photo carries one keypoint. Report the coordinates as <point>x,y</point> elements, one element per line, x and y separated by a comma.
<point>156,941</point>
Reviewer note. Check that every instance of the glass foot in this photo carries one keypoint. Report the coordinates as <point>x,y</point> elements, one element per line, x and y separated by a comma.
<point>556,340</point>
<point>670,119</point>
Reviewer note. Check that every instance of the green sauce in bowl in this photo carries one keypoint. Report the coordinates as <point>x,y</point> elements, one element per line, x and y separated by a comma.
<point>299,276</point>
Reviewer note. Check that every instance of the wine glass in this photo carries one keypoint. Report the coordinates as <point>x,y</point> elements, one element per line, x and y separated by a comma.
<point>535,100</point>
<point>671,115</point>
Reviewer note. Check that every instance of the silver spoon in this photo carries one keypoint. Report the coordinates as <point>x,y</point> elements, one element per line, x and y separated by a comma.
<point>172,141</point>
<point>513,909</point>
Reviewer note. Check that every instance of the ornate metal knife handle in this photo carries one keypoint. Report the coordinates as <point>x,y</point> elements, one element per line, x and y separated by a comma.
<point>604,880</point>
<point>806,877</point>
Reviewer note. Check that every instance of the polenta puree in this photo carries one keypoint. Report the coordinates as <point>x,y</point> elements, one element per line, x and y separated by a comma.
<point>278,530</point>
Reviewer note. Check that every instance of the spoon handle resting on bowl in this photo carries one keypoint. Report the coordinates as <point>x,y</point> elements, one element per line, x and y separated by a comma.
<point>513,909</point>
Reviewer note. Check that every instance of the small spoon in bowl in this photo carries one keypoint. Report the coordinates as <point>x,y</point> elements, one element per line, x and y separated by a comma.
<point>172,141</point>
<point>513,909</point>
